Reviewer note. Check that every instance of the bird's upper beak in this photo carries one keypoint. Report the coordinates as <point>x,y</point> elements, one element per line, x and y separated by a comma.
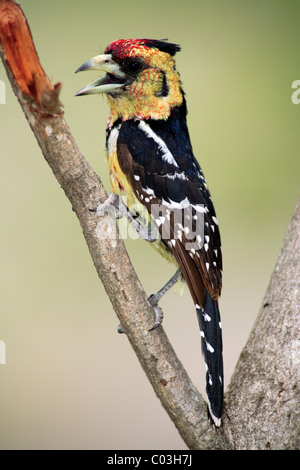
<point>113,79</point>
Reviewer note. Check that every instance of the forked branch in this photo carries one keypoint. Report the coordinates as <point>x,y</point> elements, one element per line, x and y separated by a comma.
<point>262,403</point>
<point>39,100</point>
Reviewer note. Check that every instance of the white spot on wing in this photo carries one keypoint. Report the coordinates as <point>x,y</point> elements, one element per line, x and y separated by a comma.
<point>167,156</point>
<point>199,239</point>
<point>176,205</point>
<point>149,191</point>
<point>180,176</point>
<point>200,208</point>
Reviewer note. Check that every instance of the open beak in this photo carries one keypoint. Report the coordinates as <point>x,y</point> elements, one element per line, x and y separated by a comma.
<point>109,83</point>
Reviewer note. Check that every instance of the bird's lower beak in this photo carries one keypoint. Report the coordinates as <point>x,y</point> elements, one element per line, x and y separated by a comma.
<point>109,83</point>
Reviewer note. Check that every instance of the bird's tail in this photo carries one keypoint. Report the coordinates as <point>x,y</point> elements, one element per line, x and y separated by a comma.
<point>211,340</point>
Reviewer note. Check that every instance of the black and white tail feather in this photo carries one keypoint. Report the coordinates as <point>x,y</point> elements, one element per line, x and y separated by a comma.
<point>211,341</point>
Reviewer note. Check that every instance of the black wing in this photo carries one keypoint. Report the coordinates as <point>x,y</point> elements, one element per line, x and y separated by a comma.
<point>157,159</point>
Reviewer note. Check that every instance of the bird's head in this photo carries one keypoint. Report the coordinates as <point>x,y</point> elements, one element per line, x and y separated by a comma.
<point>140,81</point>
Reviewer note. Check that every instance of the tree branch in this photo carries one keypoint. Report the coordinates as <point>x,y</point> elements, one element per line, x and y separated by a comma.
<point>261,404</point>
<point>40,103</point>
<point>264,394</point>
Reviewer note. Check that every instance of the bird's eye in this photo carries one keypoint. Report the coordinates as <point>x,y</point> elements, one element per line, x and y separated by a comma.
<point>133,66</point>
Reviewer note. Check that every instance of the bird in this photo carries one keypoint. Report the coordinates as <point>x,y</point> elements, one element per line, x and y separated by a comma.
<point>154,170</point>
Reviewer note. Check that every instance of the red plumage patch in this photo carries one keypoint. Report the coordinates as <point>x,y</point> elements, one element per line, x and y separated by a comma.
<point>123,47</point>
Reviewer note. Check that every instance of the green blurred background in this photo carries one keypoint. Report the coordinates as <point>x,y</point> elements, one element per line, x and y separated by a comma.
<point>70,380</point>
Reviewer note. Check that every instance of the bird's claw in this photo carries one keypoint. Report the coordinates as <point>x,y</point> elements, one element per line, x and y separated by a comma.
<point>158,315</point>
<point>112,202</point>
<point>120,330</point>
<point>158,312</point>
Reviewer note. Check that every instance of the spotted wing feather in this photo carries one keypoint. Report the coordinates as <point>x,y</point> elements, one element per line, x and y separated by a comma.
<point>173,180</point>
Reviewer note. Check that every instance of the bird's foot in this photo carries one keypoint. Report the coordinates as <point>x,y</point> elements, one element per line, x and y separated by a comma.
<point>158,315</point>
<point>120,330</point>
<point>158,312</point>
<point>114,202</point>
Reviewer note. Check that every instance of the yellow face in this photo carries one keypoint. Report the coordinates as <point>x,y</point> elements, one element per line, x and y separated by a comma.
<point>144,97</point>
<point>141,81</point>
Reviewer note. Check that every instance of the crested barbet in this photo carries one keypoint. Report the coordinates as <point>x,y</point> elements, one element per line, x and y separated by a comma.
<point>153,169</point>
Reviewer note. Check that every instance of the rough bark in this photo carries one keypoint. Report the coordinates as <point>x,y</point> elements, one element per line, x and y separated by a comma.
<point>261,409</point>
<point>264,394</point>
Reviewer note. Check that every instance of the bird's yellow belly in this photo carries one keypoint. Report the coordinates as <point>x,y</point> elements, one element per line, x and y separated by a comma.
<point>121,186</point>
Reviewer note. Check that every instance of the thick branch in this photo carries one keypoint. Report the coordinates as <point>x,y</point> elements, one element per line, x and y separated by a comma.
<point>39,101</point>
<point>264,395</point>
<point>261,407</point>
